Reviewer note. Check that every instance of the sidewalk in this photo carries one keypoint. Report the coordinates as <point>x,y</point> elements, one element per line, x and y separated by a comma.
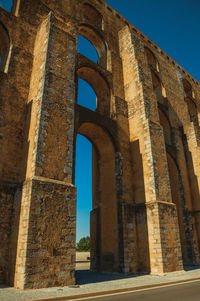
<point>94,283</point>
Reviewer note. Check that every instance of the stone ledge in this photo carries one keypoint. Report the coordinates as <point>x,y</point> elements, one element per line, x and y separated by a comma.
<point>48,180</point>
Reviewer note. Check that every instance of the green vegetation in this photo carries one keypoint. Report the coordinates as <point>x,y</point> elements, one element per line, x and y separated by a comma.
<point>83,245</point>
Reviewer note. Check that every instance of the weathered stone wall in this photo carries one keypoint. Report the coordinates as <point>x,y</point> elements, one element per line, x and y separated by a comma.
<point>145,133</point>
<point>46,234</point>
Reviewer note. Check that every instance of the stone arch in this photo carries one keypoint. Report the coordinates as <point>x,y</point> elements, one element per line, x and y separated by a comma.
<point>104,256</point>
<point>99,85</point>
<point>91,15</point>
<point>151,58</point>
<point>4,47</point>
<point>96,39</point>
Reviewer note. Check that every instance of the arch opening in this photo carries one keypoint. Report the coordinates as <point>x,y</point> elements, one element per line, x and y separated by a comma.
<point>99,85</point>
<point>89,33</point>
<point>83,182</point>
<point>86,96</point>
<point>103,216</point>
<point>87,49</point>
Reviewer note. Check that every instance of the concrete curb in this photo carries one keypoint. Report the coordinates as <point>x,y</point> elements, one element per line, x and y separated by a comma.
<point>130,289</point>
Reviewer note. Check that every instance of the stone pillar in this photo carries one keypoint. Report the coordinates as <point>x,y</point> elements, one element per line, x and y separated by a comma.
<point>46,248</point>
<point>126,214</point>
<point>162,223</point>
<point>46,241</point>
<point>162,220</point>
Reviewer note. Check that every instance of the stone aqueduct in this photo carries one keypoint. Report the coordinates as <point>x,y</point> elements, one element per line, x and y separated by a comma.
<point>146,146</point>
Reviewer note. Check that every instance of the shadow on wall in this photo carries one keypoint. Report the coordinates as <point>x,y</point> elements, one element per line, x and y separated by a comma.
<point>140,209</point>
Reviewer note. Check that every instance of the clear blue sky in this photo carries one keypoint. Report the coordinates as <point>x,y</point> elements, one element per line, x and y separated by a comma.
<point>173,25</point>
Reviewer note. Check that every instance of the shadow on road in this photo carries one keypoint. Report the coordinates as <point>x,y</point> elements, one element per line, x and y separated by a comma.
<point>87,276</point>
<point>191,267</point>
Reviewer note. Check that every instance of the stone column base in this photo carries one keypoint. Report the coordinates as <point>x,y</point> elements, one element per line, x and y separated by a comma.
<point>164,239</point>
<point>46,243</point>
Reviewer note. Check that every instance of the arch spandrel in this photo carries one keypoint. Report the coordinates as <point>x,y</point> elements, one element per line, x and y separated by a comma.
<point>91,15</point>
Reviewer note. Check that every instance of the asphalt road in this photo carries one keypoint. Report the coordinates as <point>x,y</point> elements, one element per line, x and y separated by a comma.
<point>181,292</point>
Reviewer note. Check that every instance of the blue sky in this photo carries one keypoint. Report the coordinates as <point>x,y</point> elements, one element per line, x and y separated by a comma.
<point>6,4</point>
<point>174,26</point>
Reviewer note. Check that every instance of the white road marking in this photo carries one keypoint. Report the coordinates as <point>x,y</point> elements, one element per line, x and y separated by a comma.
<point>133,291</point>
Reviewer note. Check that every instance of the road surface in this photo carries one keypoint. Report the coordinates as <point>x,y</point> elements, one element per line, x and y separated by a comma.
<point>179,292</point>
